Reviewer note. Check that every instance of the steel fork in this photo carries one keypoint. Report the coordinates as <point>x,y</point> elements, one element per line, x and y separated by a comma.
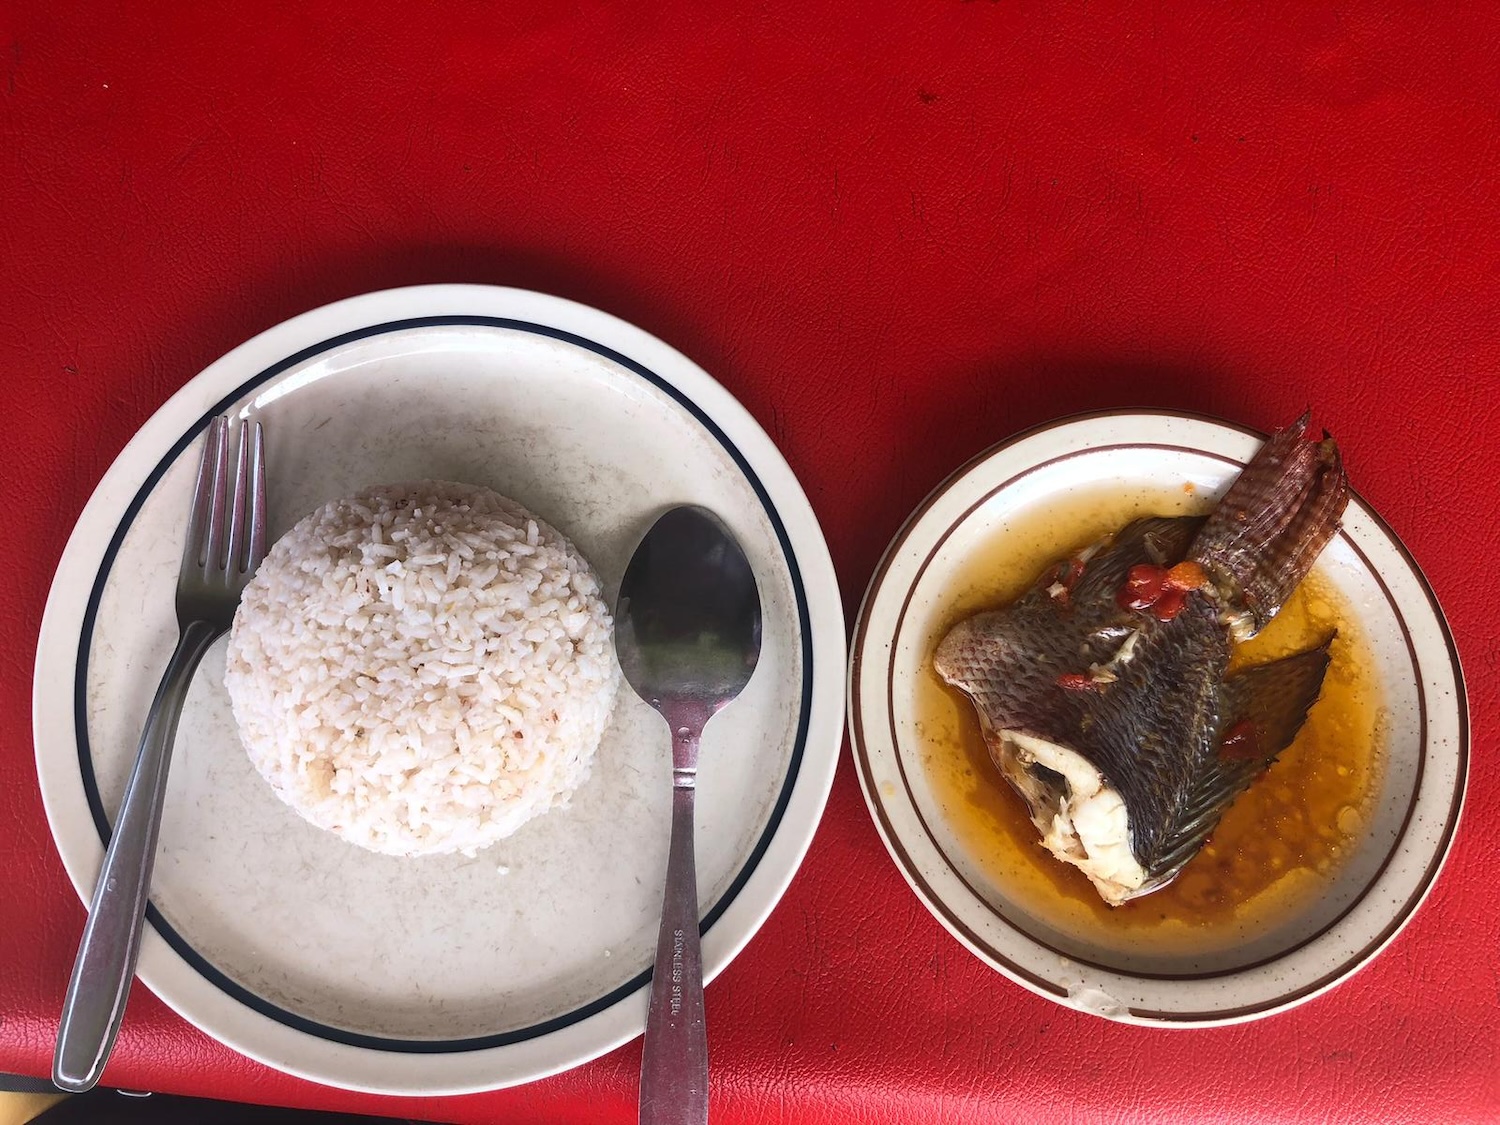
<point>226,540</point>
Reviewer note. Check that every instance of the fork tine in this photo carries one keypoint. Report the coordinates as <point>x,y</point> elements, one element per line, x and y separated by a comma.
<point>257,501</point>
<point>193,552</point>
<point>214,556</point>
<point>234,555</point>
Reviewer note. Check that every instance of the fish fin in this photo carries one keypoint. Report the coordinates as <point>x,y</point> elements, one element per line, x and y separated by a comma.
<point>1220,784</point>
<point>1159,540</point>
<point>1263,536</point>
<point>1273,699</point>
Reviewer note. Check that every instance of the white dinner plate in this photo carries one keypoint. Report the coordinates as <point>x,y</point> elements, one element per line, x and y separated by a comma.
<point>1236,972</point>
<point>449,974</point>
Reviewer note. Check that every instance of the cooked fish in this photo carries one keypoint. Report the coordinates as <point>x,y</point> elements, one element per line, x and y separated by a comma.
<point>1103,691</point>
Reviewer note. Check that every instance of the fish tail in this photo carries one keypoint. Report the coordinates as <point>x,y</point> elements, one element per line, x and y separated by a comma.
<point>1263,537</point>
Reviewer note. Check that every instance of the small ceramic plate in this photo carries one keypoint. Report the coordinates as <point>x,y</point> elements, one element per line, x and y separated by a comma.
<point>1410,816</point>
<point>441,975</point>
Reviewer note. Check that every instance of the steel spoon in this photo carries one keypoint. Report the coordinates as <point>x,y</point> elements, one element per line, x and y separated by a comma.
<point>687,632</point>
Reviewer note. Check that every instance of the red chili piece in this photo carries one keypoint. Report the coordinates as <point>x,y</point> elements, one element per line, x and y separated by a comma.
<point>1064,574</point>
<point>1163,592</point>
<point>1143,585</point>
<point>1072,573</point>
<point>1187,575</point>
<point>1170,604</point>
<point>1241,742</point>
<point>1074,681</point>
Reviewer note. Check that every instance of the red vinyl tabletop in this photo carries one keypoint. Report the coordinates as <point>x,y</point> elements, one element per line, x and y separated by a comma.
<point>898,233</point>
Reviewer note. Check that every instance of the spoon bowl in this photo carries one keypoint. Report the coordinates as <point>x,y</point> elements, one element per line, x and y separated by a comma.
<point>688,620</point>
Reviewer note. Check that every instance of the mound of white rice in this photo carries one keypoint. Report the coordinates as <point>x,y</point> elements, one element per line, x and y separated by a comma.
<point>422,668</point>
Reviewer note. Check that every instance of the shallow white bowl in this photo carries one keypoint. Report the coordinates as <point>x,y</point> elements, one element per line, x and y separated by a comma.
<point>1375,891</point>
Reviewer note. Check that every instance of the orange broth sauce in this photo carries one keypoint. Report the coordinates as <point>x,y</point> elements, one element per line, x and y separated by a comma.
<point>1276,846</point>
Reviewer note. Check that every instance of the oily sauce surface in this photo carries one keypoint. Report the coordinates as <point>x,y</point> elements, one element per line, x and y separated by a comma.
<point>1277,843</point>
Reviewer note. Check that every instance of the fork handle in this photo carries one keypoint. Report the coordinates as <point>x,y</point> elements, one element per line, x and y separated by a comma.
<point>111,941</point>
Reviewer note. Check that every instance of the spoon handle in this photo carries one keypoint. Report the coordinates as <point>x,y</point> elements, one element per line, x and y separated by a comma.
<point>674,1062</point>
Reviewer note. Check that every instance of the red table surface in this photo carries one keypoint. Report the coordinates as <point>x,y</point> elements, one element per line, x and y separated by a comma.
<point>898,233</point>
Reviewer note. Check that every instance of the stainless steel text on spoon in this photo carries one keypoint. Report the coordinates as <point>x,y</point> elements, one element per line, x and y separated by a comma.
<point>226,539</point>
<point>687,632</point>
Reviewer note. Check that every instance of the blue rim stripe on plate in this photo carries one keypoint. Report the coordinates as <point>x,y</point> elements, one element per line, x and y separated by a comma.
<point>437,1046</point>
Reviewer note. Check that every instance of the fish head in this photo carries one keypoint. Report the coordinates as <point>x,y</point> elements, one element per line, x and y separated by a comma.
<point>968,655</point>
